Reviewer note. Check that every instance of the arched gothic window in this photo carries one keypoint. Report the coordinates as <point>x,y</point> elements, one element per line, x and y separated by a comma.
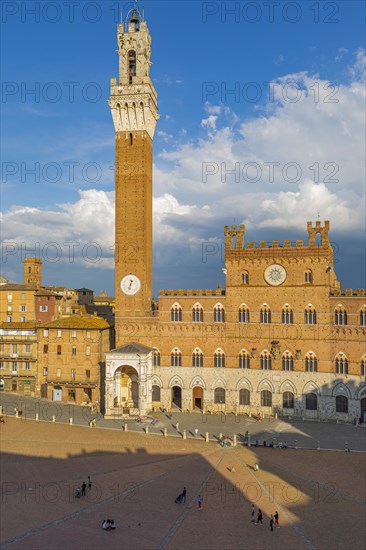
<point>131,63</point>
<point>287,361</point>
<point>308,276</point>
<point>197,313</point>
<point>197,358</point>
<point>219,358</point>
<point>363,366</point>
<point>245,278</point>
<point>341,404</point>
<point>340,315</point>
<point>287,315</point>
<point>311,402</point>
<point>176,358</point>
<point>244,359</point>
<point>311,362</point>
<point>156,357</point>
<point>288,400</point>
<point>265,314</point>
<point>220,395</point>
<point>243,314</point>
<point>219,314</point>
<point>155,394</point>
<point>310,315</point>
<point>266,398</point>
<point>176,313</point>
<point>244,397</point>
<point>341,364</point>
<point>266,360</point>
<point>363,316</point>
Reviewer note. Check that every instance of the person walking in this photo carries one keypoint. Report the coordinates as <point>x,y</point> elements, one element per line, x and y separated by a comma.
<point>196,432</point>
<point>276,519</point>
<point>259,517</point>
<point>271,523</point>
<point>252,514</point>
<point>177,426</point>
<point>89,483</point>
<point>199,502</point>
<point>83,487</point>
<point>179,499</point>
<point>184,494</point>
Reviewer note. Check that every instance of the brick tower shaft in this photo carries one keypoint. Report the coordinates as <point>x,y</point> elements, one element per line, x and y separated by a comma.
<point>133,103</point>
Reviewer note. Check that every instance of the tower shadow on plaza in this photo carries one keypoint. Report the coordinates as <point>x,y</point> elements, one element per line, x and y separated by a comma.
<point>136,478</point>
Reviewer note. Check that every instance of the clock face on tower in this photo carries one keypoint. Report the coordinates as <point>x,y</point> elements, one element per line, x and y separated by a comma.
<point>275,274</point>
<point>130,285</point>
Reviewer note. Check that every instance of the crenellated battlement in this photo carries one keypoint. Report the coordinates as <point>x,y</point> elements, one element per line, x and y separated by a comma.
<point>318,229</point>
<point>348,292</point>
<point>192,292</point>
<point>234,242</point>
<point>234,237</point>
<point>133,98</point>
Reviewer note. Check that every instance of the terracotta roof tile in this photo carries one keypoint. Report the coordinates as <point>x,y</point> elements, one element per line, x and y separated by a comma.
<point>75,322</point>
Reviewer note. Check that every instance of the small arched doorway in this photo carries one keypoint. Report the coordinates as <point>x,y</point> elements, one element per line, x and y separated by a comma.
<point>198,397</point>
<point>14,386</point>
<point>156,394</point>
<point>177,396</point>
<point>126,388</point>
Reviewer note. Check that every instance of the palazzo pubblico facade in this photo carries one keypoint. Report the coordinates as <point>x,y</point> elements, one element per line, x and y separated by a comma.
<point>282,337</point>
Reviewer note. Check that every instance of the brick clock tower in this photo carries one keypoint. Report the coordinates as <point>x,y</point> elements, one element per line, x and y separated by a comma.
<point>133,103</point>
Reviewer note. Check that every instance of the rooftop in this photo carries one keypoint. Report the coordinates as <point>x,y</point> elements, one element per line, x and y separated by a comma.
<point>75,322</point>
<point>27,325</point>
<point>132,348</point>
<point>47,292</point>
<point>16,286</point>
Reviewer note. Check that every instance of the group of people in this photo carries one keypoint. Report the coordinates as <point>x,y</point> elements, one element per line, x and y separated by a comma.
<point>108,524</point>
<point>182,498</point>
<point>272,445</point>
<point>274,519</point>
<point>80,491</point>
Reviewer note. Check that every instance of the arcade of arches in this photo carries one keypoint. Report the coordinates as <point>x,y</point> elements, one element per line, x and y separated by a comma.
<point>134,385</point>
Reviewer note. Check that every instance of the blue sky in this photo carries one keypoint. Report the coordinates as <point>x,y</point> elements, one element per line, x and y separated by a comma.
<point>309,122</point>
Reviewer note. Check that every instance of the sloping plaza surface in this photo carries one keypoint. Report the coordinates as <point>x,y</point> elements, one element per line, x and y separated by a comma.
<point>320,495</point>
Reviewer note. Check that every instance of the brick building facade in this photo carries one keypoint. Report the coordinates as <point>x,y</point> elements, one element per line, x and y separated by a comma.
<point>281,337</point>
<point>71,355</point>
<point>18,358</point>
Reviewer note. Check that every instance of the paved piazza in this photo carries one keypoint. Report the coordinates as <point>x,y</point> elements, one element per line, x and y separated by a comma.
<point>320,495</point>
